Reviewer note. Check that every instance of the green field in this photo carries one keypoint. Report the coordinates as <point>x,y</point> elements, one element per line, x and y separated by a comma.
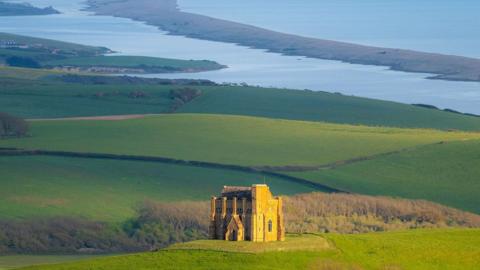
<point>17,261</point>
<point>136,62</point>
<point>326,107</point>
<point>362,145</point>
<point>307,242</point>
<point>32,99</point>
<point>47,99</point>
<point>444,173</point>
<point>45,53</point>
<point>65,47</point>
<point>227,139</point>
<point>109,190</point>
<point>417,166</point>
<point>416,249</point>
<point>9,76</point>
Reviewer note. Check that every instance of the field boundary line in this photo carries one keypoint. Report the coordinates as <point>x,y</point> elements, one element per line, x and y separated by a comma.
<point>192,163</point>
<point>340,163</point>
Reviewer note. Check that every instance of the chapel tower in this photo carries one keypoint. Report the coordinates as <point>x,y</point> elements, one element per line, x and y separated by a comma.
<point>247,213</point>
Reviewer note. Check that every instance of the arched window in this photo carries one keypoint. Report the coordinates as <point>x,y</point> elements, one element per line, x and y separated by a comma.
<point>270,226</point>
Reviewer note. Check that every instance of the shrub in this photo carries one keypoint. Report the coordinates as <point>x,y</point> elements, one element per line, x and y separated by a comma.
<point>351,213</point>
<point>160,224</point>
<point>137,94</point>
<point>61,234</point>
<point>11,126</point>
<point>157,225</point>
<point>17,61</point>
<point>182,96</point>
<point>427,106</point>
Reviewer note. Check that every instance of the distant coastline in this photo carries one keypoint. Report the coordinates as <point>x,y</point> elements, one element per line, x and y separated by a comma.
<point>24,9</point>
<point>165,15</point>
<point>37,53</point>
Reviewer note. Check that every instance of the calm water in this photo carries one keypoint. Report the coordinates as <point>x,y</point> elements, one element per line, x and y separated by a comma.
<point>252,66</point>
<point>442,26</point>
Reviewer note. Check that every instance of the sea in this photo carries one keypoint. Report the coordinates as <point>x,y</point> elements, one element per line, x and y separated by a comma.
<point>449,27</point>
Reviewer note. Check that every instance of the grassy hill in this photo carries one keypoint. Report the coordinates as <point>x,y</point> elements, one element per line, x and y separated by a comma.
<point>324,106</point>
<point>14,78</point>
<point>109,190</point>
<point>50,44</point>
<point>33,99</point>
<point>370,160</point>
<point>354,144</point>
<point>307,242</point>
<point>138,62</point>
<point>47,99</point>
<point>17,261</point>
<point>446,173</point>
<point>227,139</point>
<point>29,52</point>
<point>418,249</point>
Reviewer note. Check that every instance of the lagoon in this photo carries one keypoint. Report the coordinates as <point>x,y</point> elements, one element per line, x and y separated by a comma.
<point>255,67</point>
<point>440,26</point>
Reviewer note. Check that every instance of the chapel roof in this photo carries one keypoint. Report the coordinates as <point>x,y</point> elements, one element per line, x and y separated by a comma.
<point>237,191</point>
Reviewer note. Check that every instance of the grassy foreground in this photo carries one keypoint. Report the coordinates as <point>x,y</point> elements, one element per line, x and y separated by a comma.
<point>446,173</point>
<point>109,190</point>
<point>415,249</point>
<point>307,242</point>
<point>228,139</point>
<point>17,261</point>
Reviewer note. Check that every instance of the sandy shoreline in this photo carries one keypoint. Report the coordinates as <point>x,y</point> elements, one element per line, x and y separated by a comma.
<point>165,15</point>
